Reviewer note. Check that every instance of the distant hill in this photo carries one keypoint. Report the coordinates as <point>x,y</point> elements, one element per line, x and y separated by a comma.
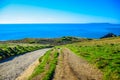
<point>109,35</point>
<point>51,41</point>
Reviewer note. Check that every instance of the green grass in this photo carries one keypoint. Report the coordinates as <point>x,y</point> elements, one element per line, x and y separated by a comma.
<point>104,54</point>
<point>47,65</point>
<point>11,49</point>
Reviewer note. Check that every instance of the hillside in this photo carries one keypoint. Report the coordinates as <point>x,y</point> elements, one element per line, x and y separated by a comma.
<point>96,59</point>
<point>103,53</point>
<point>8,50</point>
<point>84,59</point>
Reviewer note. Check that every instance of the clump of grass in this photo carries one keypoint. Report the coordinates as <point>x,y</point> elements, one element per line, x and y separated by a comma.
<point>104,54</point>
<point>7,50</point>
<point>40,68</point>
<point>50,72</point>
<point>47,65</point>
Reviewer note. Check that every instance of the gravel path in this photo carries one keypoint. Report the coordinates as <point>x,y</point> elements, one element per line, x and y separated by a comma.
<point>11,69</point>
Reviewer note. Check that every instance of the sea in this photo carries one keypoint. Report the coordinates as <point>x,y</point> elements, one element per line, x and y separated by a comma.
<point>90,30</point>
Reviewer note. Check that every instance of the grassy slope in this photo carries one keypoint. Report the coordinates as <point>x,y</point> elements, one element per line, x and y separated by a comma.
<point>104,54</point>
<point>11,49</point>
<point>46,67</point>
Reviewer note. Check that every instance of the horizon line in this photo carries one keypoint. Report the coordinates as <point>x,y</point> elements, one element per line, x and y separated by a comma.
<point>54,23</point>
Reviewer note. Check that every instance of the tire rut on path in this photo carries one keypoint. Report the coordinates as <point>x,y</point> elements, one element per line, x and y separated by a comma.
<point>72,67</point>
<point>10,70</point>
<point>63,71</point>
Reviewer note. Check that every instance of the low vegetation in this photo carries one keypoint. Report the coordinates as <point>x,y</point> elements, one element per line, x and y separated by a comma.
<point>50,41</point>
<point>45,70</point>
<point>11,49</point>
<point>104,54</point>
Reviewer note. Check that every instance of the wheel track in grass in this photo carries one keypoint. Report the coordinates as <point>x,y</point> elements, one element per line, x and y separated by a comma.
<point>72,67</point>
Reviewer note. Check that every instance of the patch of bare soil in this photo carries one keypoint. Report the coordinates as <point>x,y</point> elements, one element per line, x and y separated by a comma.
<point>72,67</point>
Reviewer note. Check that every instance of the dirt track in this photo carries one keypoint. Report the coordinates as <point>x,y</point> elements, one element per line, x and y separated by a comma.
<point>72,67</point>
<point>10,70</point>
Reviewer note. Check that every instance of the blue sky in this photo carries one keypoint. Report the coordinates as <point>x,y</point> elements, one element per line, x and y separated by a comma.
<point>59,11</point>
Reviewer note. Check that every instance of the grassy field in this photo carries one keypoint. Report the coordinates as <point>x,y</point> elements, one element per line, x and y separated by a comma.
<point>101,53</point>
<point>104,54</point>
<point>46,68</point>
<point>11,49</point>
